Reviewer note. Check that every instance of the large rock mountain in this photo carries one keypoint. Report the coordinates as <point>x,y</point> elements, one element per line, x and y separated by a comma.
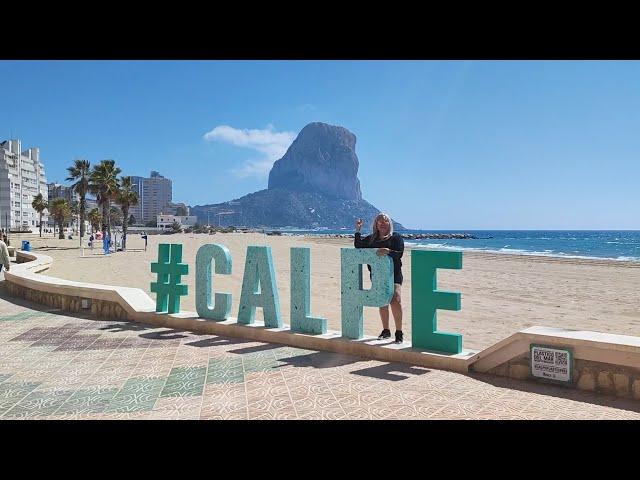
<point>321,159</point>
<point>315,184</point>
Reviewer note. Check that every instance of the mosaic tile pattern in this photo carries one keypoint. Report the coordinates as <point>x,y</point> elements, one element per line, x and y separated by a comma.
<point>56,366</point>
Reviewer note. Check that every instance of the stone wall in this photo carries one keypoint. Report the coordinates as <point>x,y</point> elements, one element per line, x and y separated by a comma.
<point>590,376</point>
<point>99,308</point>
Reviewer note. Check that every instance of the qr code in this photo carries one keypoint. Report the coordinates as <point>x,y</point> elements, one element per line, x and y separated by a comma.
<point>561,358</point>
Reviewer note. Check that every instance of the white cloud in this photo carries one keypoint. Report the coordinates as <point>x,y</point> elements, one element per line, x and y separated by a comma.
<point>271,144</point>
<point>307,107</point>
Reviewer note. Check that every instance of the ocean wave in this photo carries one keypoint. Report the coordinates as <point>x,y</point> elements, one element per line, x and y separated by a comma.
<point>514,251</point>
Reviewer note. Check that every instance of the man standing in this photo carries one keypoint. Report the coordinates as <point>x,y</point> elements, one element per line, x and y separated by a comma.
<point>106,240</point>
<point>5,260</point>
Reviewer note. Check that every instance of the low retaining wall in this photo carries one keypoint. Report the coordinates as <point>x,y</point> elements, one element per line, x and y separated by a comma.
<point>100,308</point>
<point>604,363</point>
<point>599,377</point>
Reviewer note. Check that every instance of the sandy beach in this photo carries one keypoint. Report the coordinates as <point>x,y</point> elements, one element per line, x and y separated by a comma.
<point>501,294</point>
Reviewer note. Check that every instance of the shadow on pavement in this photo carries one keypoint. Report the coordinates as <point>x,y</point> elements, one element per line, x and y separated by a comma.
<point>256,349</point>
<point>391,371</point>
<point>170,334</point>
<point>216,342</point>
<point>321,360</point>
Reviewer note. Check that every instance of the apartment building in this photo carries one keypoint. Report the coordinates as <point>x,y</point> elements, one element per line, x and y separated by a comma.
<point>22,177</point>
<point>154,197</point>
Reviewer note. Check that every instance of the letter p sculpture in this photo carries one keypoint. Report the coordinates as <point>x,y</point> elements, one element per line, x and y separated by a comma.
<point>353,297</point>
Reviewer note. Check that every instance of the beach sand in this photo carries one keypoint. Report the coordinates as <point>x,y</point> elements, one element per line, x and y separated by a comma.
<point>501,294</point>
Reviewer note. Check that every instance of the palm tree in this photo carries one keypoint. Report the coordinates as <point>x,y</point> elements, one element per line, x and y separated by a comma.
<point>115,216</point>
<point>81,172</point>
<point>94,219</point>
<point>39,205</point>
<point>103,182</point>
<point>74,208</point>
<point>126,197</point>
<point>61,213</point>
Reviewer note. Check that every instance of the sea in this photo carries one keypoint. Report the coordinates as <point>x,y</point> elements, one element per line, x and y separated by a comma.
<point>619,245</point>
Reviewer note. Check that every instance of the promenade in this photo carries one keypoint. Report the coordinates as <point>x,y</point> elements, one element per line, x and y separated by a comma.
<point>57,366</point>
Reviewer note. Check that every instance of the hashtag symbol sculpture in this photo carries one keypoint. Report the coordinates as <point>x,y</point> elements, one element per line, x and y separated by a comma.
<point>169,268</point>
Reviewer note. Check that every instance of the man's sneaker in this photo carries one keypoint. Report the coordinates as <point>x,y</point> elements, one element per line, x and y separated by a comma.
<point>386,333</point>
<point>399,338</point>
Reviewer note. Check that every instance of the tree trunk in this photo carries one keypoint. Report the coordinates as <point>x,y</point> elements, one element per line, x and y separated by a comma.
<point>40,224</point>
<point>109,216</point>
<point>104,217</point>
<point>125,221</point>
<point>60,230</point>
<point>83,206</point>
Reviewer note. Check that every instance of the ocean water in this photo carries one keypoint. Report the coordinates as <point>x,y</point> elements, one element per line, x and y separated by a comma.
<point>621,245</point>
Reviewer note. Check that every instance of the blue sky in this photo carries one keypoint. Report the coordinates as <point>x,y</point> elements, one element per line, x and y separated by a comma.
<point>442,145</point>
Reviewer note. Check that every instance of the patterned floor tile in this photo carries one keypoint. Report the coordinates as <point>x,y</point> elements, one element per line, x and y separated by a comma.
<point>38,404</point>
<point>61,367</point>
<point>92,400</point>
<point>176,408</point>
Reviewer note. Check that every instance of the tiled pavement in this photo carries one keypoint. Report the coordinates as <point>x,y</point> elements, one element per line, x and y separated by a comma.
<point>55,366</point>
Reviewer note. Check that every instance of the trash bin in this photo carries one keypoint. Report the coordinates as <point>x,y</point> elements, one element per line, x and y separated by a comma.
<point>26,246</point>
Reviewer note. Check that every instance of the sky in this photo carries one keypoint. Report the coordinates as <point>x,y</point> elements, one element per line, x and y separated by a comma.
<point>465,145</point>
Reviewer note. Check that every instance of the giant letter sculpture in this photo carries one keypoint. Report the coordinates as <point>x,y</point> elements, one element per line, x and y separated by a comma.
<point>169,268</point>
<point>301,319</point>
<point>204,282</point>
<point>353,297</point>
<point>259,289</point>
<point>426,300</point>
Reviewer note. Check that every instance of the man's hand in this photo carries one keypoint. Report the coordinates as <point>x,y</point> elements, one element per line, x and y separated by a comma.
<point>359,223</point>
<point>383,251</point>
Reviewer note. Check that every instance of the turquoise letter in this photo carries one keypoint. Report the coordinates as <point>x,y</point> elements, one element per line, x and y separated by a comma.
<point>301,319</point>
<point>425,300</point>
<point>170,269</point>
<point>259,289</point>
<point>204,284</point>
<point>353,296</point>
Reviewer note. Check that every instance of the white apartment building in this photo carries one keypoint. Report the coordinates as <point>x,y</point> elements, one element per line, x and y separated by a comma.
<point>22,177</point>
<point>165,222</point>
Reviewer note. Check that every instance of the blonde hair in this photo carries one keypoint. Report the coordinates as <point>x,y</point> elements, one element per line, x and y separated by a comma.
<point>375,234</point>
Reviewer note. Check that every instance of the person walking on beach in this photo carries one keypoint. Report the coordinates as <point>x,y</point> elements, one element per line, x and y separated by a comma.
<point>5,260</point>
<point>387,243</point>
<point>106,240</point>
